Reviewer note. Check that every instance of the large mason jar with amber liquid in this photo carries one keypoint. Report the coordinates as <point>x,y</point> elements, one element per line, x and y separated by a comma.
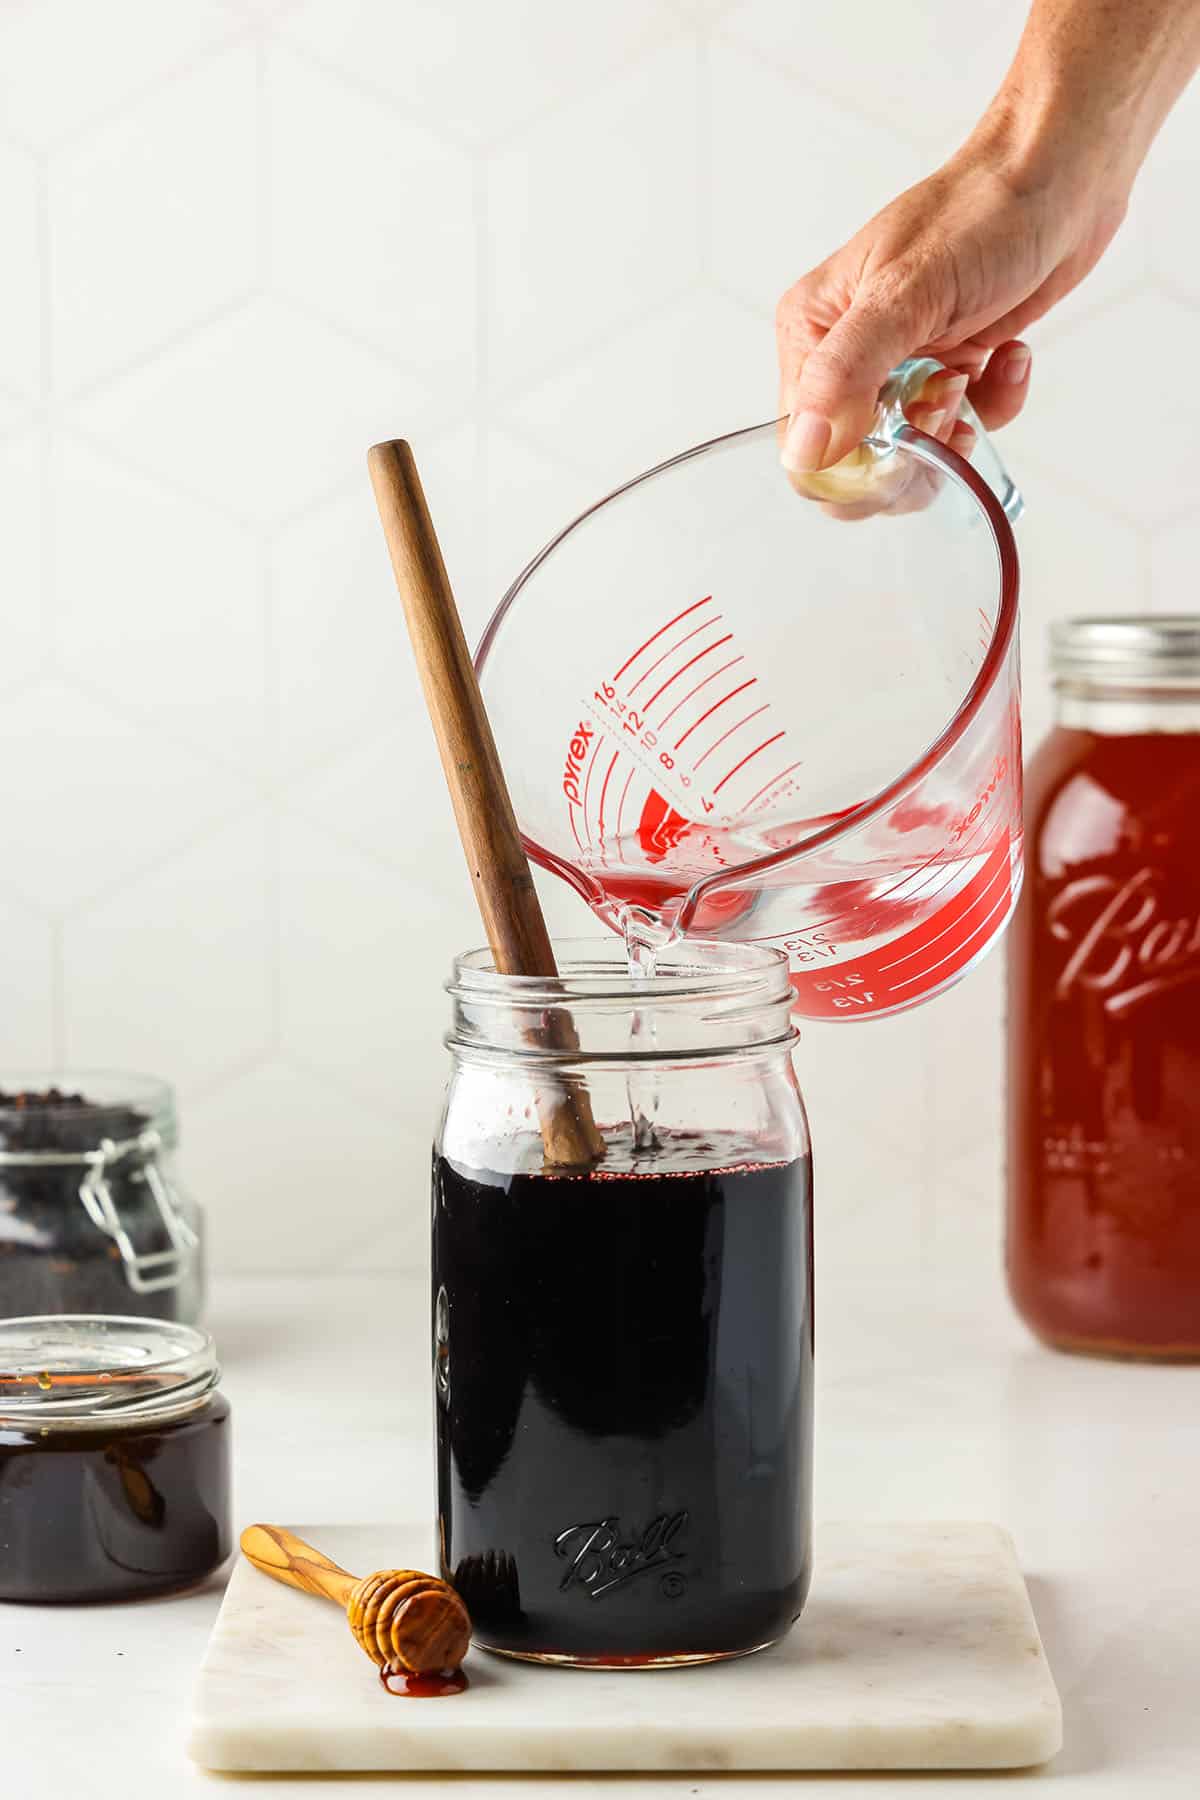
<point>1104,1000</point>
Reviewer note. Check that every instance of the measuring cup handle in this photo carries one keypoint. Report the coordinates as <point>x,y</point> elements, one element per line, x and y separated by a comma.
<point>901,389</point>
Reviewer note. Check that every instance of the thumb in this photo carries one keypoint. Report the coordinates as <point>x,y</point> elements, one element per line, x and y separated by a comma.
<point>832,403</point>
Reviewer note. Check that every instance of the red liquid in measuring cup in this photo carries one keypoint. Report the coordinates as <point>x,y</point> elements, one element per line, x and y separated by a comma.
<point>680,770</point>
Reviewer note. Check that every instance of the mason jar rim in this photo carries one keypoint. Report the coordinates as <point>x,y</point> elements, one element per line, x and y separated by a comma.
<point>70,1370</point>
<point>597,969</point>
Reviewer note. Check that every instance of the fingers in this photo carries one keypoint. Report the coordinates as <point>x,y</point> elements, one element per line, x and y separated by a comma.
<point>831,403</point>
<point>1001,391</point>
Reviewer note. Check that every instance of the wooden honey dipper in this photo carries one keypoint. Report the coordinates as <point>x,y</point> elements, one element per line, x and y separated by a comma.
<point>403,1619</point>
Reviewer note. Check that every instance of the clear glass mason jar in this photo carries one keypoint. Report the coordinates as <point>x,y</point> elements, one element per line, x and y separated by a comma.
<point>1104,999</point>
<point>114,1458</point>
<point>93,1218</point>
<point>623,1353</point>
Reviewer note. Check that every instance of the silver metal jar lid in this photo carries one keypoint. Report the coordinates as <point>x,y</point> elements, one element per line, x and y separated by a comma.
<point>73,1369</point>
<point>1133,650</point>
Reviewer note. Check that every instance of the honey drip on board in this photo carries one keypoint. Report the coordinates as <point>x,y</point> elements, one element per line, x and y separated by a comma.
<point>430,1686</point>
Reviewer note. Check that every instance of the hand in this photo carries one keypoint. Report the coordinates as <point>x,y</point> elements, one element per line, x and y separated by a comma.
<point>962,263</point>
<point>955,268</point>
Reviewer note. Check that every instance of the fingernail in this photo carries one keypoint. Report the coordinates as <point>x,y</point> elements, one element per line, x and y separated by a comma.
<point>1016,365</point>
<point>807,440</point>
<point>933,424</point>
<point>953,392</point>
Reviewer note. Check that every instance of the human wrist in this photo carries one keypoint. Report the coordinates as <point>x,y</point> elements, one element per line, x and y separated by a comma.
<point>1088,89</point>
<point>1044,149</point>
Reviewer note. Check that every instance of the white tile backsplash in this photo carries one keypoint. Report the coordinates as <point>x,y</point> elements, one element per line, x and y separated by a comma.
<point>66,65</point>
<point>91,798</point>
<point>157,604</point>
<point>370,220</point>
<point>263,411</point>
<point>23,620</point>
<point>793,174</point>
<point>173,970</point>
<point>592,216</point>
<point>246,238</point>
<point>473,70</point>
<point>133,195</point>
<point>927,67</point>
<point>20,289</point>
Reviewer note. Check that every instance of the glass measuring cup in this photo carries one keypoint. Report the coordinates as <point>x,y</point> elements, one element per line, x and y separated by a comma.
<point>744,706</point>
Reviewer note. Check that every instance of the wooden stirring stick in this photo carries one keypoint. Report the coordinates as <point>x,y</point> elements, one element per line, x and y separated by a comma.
<point>401,1618</point>
<point>508,901</point>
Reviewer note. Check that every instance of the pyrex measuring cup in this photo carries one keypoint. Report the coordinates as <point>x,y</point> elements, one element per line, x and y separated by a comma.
<point>730,708</point>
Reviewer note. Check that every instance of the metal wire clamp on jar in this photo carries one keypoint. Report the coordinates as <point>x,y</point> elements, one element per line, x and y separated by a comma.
<point>92,1215</point>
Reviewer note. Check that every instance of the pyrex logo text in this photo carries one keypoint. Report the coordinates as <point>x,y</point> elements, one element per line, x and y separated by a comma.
<point>576,756</point>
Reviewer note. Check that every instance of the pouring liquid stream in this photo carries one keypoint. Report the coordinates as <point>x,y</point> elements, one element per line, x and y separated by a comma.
<point>642,939</point>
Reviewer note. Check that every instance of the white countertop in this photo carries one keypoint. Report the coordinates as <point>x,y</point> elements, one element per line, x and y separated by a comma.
<point>932,1403</point>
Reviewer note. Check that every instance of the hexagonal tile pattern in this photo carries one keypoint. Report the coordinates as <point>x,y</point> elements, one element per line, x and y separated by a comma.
<point>65,63</point>
<point>173,971</point>
<point>22,615</point>
<point>296,1176</point>
<point>144,245</point>
<point>98,800</point>
<point>793,176</point>
<point>372,219</point>
<point>387,797</point>
<point>694,369</point>
<point>531,494</point>
<point>122,579</point>
<point>262,413</point>
<point>364,950</point>
<point>27,1016</point>
<point>931,66</point>
<point>20,291</point>
<point>592,215</point>
<point>342,657</point>
<point>478,69</point>
<point>1116,418</point>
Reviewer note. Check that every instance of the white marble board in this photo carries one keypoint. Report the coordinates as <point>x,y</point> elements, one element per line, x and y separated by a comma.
<point>917,1650</point>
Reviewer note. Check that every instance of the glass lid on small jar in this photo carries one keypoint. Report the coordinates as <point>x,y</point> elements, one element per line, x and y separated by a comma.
<point>74,1369</point>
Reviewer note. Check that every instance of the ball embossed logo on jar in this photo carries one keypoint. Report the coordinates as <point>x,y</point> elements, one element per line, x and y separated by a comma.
<point>1126,942</point>
<point>599,1559</point>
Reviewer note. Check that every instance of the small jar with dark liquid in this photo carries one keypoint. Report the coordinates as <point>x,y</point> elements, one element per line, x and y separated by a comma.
<point>114,1458</point>
<point>622,1352</point>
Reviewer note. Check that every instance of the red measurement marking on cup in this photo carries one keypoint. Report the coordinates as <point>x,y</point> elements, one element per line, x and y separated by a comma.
<point>670,785</point>
<point>715,707</point>
<point>951,934</point>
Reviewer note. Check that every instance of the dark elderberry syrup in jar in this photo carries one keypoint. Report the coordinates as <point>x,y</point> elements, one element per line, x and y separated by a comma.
<point>114,1458</point>
<point>623,1353</point>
